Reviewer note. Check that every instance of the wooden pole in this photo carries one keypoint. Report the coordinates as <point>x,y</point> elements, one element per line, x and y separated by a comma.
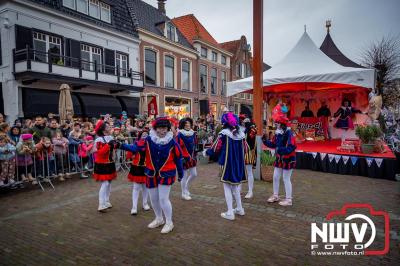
<point>257,77</point>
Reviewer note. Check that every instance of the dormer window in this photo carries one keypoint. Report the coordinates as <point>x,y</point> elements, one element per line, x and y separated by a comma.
<point>94,8</point>
<point>171,32</point>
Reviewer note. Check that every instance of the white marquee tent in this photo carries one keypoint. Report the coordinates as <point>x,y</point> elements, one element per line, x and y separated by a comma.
<point>306,67</point>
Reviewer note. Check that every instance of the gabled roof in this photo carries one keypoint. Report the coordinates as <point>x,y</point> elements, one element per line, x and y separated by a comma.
<point>329,48</point>
<point>231,46</point>
<point>192,29</point>
<point>120,18</point>
<point>149,18</point>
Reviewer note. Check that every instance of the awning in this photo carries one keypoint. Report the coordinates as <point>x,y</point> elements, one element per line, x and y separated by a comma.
<point>42,102</point>
<point>307,68</point>
<point>129,104</point>
<point>96,105</point>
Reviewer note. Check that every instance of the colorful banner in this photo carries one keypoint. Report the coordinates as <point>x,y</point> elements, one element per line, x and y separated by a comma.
<point>379,162</point>
<point>345,159</point>
<point>314,127</point>
<point>331,157</point>
<point>354,160</point>
<point>369,161</point>
<point>337,158</point>
<point>323,155</point>
<point>152,106</point>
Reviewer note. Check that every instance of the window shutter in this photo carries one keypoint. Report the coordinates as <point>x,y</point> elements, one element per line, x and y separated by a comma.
<point>23,37</point>
<point>109,60</point>
<point>75,52</point>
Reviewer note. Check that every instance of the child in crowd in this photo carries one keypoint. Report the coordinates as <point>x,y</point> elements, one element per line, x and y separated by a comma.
<point>86,150</point>
<point>14,135</point>
<point>7,161</point>
<point>118,136</point>
<point>44,159</point>
<point>60,150</point>
<point>25,151</point>
<point>73,147</point>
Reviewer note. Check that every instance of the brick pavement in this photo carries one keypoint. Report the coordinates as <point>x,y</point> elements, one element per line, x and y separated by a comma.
<point>62,227</point>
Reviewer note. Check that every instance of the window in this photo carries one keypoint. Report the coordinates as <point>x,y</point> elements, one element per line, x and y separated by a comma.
<point>223,83</point>
<point>91,55</point>
<point>69,3</point>
<point>150,63</point>
<point>94,8</point>
<point>243,71</point>
<point>237,108</point>
<point>203,52</point>
<point>185,75</point>
<point>223,59</point>
<point>121,60</point>
<point>213,81</point>
<point>214,56</point>
<point>238,70</point>
<point>169,72</point>
<point>203,79</point>
<point>242,96</point>
<point>42,43</point>
<point>248,96</point>
<point>82,6</point>
<point>105,12</point>
<point>171,32</point>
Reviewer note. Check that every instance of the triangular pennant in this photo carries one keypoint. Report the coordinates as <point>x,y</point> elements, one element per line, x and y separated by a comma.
<point>354,160</point>
<point>323,155</point>
<point>273,152</point>
<point>345,159</point>
<point>337,158</point>
<point>369,161</point>
<point>314,154</point>
<point>379,161</point>
<point>331,157</point>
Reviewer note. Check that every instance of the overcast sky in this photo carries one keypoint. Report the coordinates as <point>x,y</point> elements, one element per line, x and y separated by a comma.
<point>355,23</point>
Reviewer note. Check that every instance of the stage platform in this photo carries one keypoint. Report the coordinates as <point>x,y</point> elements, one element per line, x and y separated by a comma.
<point>323,156</point>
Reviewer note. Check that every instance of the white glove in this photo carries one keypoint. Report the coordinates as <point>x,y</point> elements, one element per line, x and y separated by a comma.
<point>205,152</point>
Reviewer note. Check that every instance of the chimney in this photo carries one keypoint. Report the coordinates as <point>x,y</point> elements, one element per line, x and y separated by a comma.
<point>161,6</point>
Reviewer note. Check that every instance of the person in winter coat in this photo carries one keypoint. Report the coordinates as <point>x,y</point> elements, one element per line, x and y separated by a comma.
<point>60,145</point>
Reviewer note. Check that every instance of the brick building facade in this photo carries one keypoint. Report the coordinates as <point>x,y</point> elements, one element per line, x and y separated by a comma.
<point>168,61</point>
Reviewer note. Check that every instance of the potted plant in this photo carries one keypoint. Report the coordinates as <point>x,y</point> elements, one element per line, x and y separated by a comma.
<point>368,135</point>
<point>267,168</point>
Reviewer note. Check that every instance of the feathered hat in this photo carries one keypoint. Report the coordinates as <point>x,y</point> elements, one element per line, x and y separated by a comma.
<point>229,119</point>
<point>161,122</point>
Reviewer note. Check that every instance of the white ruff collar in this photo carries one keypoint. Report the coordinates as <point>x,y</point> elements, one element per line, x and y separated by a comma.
<point>228,132</point>
<point>161,141</point>
<point>186,133</point>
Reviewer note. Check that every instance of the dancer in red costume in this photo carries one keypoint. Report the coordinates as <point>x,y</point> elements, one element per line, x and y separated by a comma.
<point>104,165</point>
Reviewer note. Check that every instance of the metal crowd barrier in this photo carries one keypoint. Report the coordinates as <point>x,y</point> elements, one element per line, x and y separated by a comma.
<point>43,168</point>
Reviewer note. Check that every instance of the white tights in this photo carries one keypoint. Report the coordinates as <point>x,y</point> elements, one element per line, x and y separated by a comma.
<point>235,190</point>
<point>136,188</point>
<point>104,193</point>
<point>160,202</point>
<point>278,172</point>
<point>189,176</point>
<point>250,177</point>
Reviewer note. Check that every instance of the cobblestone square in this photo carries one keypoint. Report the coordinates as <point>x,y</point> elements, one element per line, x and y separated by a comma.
<point>63,227</point>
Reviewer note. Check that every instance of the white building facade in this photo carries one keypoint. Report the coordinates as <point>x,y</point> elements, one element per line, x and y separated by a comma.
<point>91,45</point>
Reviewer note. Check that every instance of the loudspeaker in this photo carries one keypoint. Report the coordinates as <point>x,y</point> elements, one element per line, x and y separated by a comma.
<point>204,107</point>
